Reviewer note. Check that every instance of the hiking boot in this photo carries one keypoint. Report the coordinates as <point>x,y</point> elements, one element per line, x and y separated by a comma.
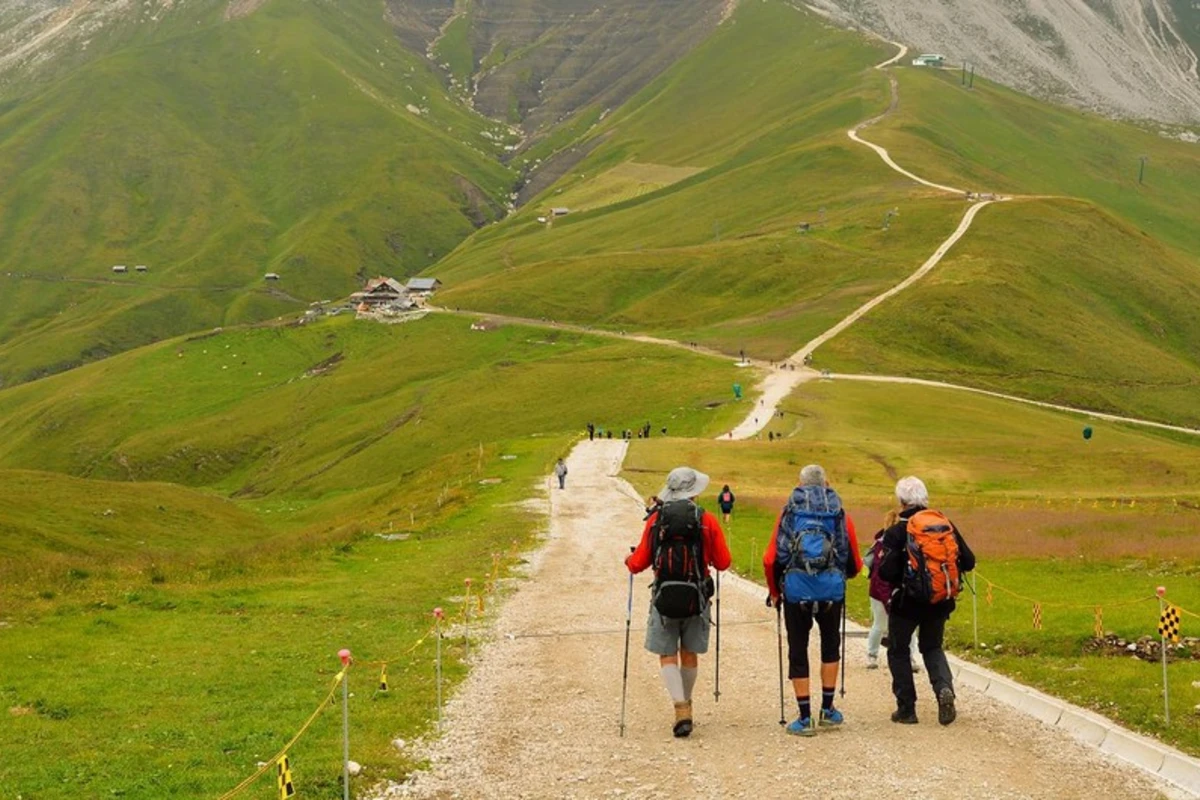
<point>831,717</point>
<point>683,720</point>
<point>803,726</point>
<point>905,716</point>
<point>946,712</point>
<point>872,662</point>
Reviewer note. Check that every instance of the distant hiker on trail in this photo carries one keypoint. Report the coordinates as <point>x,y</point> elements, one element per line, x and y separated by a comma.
<point>591,429</point>
<point>813,550</point>
<point>680,542</point>
<point>725,500</point>
<point>646,431</point>
<point>924,558</point>
<point>880,594</point>
<point>560,469</point>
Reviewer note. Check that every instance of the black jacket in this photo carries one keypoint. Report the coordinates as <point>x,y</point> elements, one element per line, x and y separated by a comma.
<point>895,559</point>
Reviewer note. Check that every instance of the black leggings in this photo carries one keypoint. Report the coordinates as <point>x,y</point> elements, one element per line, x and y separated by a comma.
<point>799,620</point>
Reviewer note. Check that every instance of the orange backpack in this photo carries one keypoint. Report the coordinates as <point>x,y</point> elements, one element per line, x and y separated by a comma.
<point>932,572</point>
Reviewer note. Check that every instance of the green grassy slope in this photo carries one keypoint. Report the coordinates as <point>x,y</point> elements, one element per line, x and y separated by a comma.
<point>176,647</point>
<point>318,409</point>
<point>46,514</point>
<point>992,138</point>
<point>268,143</point>
<point>974,452</point>
<point>716,257</point>
<point>1052,300</point>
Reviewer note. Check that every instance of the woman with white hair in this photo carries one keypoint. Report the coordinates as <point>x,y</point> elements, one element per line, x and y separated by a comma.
<point>924,558</point>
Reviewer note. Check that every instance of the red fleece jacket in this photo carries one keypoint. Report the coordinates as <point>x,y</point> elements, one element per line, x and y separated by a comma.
<point>716,550</point>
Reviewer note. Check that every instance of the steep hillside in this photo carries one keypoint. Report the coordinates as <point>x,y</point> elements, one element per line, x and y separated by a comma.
<point>302,139</point>
<point>1052,300</point>
<point>712,250</point>
<point>990,137</point>
<point>1130,59</point>
<point>685,224</point>
<point>534,63</point>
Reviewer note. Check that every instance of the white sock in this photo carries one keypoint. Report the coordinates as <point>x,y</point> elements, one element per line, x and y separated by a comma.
<point>674,682</point>
<point>689,680</point>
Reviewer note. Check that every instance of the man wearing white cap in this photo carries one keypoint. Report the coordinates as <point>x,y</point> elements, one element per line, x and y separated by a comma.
<point>680,542</point>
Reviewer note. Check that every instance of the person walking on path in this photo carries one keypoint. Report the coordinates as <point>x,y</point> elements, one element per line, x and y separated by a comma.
<point>591,429</point>
<point>924,558</point>
<point>560,471</point>
<point>680,542</point>
<point>813,550</point>
<point>879,593</point>
<point>725,500</point>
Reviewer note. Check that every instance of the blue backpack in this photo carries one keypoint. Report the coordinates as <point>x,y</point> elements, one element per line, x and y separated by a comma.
<point>812,548</point>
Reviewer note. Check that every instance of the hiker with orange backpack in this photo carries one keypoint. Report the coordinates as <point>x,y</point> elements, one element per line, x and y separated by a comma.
<point>680,542</point>
<point>924,558</point>
<point>813,550</point>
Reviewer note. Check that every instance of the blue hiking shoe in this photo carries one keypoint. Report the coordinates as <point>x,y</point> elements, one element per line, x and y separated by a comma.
<point>803,726</point>
<point>831,717</point>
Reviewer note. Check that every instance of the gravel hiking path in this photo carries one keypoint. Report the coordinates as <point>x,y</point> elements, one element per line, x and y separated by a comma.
<point>538,715</point>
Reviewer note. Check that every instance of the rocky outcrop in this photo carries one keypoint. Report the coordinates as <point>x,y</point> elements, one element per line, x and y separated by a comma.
<point>1127,59</point>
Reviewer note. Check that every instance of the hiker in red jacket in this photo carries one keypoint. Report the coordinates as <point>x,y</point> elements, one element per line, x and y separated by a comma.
<point>680,542</point>
<point>813,550</point>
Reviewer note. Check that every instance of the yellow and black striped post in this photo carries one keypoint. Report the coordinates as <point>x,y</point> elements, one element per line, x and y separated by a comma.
<point>283,776</point>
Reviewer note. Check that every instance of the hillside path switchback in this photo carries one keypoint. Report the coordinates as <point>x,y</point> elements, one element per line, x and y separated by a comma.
<point>538,715</point>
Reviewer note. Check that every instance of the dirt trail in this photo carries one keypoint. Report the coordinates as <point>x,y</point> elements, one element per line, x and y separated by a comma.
<point>537,718</point>
<point>1000,395</point>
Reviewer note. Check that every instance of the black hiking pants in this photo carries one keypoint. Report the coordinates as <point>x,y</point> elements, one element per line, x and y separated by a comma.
<point>930,630</point>
<point>799,618</point>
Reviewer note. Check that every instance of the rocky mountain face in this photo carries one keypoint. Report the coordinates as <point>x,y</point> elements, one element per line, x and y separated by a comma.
<point>1125,58</point>
<point>536,62</point>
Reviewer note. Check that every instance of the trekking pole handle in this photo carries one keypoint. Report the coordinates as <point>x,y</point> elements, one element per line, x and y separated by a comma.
<point>629,602</point>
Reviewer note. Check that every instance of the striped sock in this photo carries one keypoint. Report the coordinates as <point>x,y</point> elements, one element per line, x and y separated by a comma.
<point>805,707</point>
<point>827,698</point>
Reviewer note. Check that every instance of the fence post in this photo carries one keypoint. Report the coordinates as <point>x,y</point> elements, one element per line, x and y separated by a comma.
<point>1162,632</point>
<point>344,655</point>
<point>437,626</point>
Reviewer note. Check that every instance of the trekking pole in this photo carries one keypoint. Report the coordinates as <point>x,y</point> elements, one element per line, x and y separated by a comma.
<point>625,675</point>
<point>717,676</point>
<point>779,636</point>
<point>843,648</point>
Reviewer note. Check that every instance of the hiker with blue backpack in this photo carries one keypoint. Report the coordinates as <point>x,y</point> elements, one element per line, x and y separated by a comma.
<point>812,552</point>
<point>924,558</point>
<point>680,542</point>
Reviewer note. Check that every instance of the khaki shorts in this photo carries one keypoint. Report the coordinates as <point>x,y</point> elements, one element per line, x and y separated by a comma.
<point>666,637</point>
